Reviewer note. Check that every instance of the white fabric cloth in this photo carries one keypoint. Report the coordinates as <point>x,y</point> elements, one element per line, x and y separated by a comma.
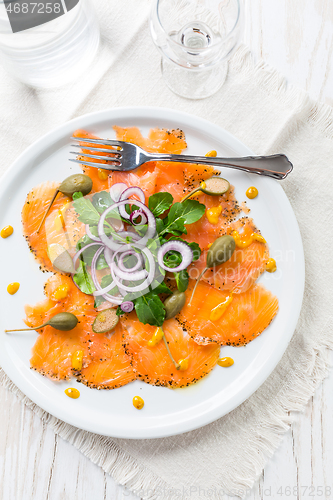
<point>257,106</point>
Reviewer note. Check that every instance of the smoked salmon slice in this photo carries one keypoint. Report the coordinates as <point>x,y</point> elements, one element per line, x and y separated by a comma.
<point>246,317</point>
<point>240,272</point>
<point>153,364</point>
<point>114,371</point>
<point>53,351</point>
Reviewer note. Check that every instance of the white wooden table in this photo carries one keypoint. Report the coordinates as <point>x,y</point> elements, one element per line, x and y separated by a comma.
<point>296,37</point>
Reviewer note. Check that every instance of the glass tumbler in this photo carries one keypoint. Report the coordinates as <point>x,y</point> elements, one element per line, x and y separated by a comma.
<point>196,39</point>
<point>46,43</point>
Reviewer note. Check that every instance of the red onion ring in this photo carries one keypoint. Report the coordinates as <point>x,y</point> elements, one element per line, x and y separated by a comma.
<point>113,245</point>
<point>147,282</point>
<point>125,196</point>
<point>77,255</point>
<point>116,190</point>
<point>129,253</point>
<point>177,246</point>
<point>90,235</point>
<point>138,213</point>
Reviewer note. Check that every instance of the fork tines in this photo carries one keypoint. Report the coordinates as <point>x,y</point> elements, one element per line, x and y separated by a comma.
<point>103,142</point>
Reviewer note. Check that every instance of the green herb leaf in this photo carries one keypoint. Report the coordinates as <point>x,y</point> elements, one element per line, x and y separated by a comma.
<point>182,279</point>
<point>119,311</point>
<point>160,202</point>
<point>150,309</point>
<point>160,288</point>
<point>159,225</point>
<point>77,195</point>
<point>86,211</point>
<point>83,279</point>
<point>101,201</point>
<point>188,212</point>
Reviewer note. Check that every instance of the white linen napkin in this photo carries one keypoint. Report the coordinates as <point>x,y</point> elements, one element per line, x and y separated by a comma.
<point>257,106</point>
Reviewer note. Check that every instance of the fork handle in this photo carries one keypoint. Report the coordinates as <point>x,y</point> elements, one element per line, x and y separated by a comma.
<point>276,166</point>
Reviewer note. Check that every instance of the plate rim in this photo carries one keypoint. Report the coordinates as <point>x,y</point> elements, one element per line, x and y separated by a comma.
<point>152,112</point>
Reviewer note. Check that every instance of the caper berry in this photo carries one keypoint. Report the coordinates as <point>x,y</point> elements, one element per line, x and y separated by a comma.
<point>63,321</point>
<point>215,186</point>
<point>220,251</point>
<point>174,304</point>
<point>73,184</point>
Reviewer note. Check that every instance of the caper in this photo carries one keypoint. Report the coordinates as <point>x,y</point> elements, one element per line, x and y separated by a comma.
<point>73,184</point>
<point>105,321</point>
<point>63,321</point>
<point>219,253</point>
<point>174,304</point>
<point>215,186</point>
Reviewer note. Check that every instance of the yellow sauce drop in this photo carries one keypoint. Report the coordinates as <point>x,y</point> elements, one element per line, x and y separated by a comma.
<point>102,318</point>
<point>220,309</point>
<point>6,231</point>
<point>225,362</point>
<point>138,402</point>
<point>72,393</point>
<point>252,192</point>
<point>244,243</point>
<point>183,365</point>
<point>209,245</point>
<point>213,214</point>
<point>77,360</point>
<point>102,174</point>
<point>61,292</point>
<point>211,153</point>
<point>271,266</point>
<point>156,338</point>
<point>12,288</point>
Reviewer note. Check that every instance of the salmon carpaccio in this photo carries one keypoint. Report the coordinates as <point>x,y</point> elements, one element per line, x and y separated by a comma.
<point>246,317</point>
<point>53,351</point>
<point>153,365</point>
<point>113,360</point>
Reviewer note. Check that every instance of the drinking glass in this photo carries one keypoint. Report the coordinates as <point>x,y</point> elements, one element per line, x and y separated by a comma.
<point>47,43</point>
<point>196,39</point>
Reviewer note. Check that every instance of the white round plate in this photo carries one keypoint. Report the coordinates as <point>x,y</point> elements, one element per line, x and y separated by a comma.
<point>166,412</point>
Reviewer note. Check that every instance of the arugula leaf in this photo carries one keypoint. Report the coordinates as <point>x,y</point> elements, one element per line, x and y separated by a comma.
<point>86,211</point>
<point>182,279</point>
<point>159,225</point>
<point>160,202</point>
<point>149,309</point>
<point>77,195</point>
<point>119,311</point>
<point>83,279</point>
<point>160,288</point>
<point>188,212</point>
<point>101,201</point>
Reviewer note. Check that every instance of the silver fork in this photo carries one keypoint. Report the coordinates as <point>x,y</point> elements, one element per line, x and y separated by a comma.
<point>128,156</point>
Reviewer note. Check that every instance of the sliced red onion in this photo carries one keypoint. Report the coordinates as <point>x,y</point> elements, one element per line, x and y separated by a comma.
<point>176,246</point>
<point>127,306</point>
<point>90,235</point>
<point>116,190</point>
<point>146,283</point>
<point>99,290</point>
<point>111,243</point>
<point>130,253</point>
<point>77,255</point>
<point>130,275</point>
<point>138,213</point>
<point>125,196</point>
<point>113,300</point>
